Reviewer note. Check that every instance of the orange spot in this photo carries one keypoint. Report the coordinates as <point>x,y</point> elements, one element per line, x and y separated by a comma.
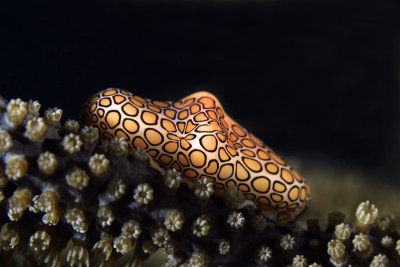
<point>248,152</point>
<point>183,103</point>
<point>129,109</point>
<point>105,102</point>
<point>107,135</point>
<point>118,99</point>
<point>264,200</point>
<point>207,102</point>
<point>94,118</point>
<point>262,154</point>
<point>220,112</point>
<point>216,126</point>
<point>297,176</point>
<point>154,108</point>
<point>303,194</point>
<point>195,108</point>
<point>231,151</point>
<point>100,112</point>
<point>160,103</point>
<point>183,114</point>
<point>200,117</point>
<point>94,98</point>
<point>113,118</point>
<point>149,117</point>
<point>165,159</point>
<point>188,101</point>
<point>252,164</point>
<point>282,205</point>
<point>136,102</point>
<point>92,107</point>
<point>153,137</point>
<point>293,206</point>
<point>294,193</point>
<point>272,168</point>
<point>185,144</point>
<point>241,172</point>
<point>178,105</point>
<point>219,186</point>
<point>221,137</point>
<point>212,167</point>
<point>308,190</point>
<point>171,147</point>
<point>244,188</point>
<point>261,184</point>
<point>173,137</point>
<point>209,179</point>
<point>125,92</point>
<point>211,127</point>
<point>181,126</point>
<point>170,113</point>
<point>197,158</point>
<point>110,92</point>
<point>233,137</point>
<point>190,137</point>
<point>209,143</point>
<point>287,176</point>
<point>212,114</point>
<point>238,130</point>
<point>120,133</point>
<point>230,142</point>
<point>190,126</point>
<point>276,197</point>
<point>103,125</point>
<point>249,196</point>
<point>279,187</point>
<point>152,153</point>
<point>131,126</point>
<point>231,183</point>
<point>223,156</point>
<point>190,173</point>
<point>226,171</point>
<point>168,125</point>
<point>138,142</point>
<point>248,143</point>
<point>182,159</point>
<point>176,166</point>
<point>140,99</point>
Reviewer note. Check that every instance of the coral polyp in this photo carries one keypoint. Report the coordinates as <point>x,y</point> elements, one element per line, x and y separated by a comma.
<point>69,198</point>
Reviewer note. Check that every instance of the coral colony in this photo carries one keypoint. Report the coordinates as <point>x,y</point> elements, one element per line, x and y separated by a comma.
<point>134,176</point>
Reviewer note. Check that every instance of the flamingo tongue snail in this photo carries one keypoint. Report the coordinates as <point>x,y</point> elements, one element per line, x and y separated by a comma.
<point>197,138</point>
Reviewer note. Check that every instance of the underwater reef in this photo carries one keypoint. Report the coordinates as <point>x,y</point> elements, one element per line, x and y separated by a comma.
<point>71,199</point>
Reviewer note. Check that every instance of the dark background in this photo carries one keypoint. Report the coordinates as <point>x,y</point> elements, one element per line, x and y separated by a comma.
<point>308,77</point>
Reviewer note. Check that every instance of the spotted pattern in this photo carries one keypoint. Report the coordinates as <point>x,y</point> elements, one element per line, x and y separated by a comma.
<point>196,137</point>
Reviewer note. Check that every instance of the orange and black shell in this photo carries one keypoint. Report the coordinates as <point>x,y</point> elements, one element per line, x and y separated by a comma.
<point>197,138</point>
